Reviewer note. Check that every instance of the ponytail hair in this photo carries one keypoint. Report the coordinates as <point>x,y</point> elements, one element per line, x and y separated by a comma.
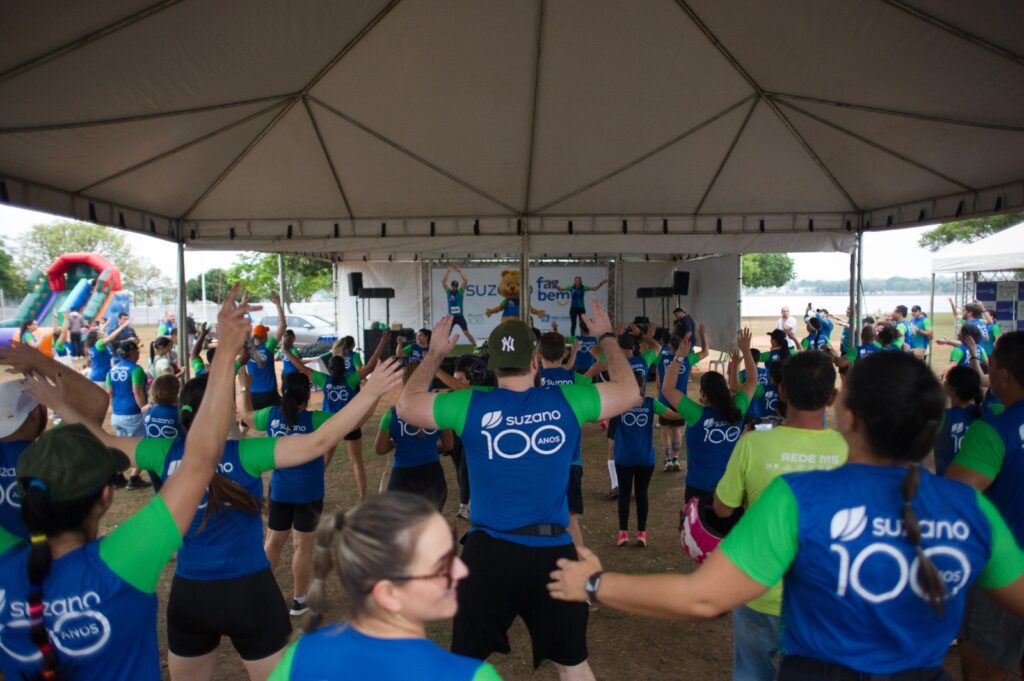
<point>966,385</point>
<point>44,518</point>
<point>126,348</point>
<point>900,402</point>
<point>294,396</point>
<point>223,493</point>
<point>336,368</point>
<point>714,387</point>
<point>373,541</point>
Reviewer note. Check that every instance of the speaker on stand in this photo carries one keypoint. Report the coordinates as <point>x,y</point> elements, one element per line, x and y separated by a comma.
<point>680,285</point>
<point>355,285</point>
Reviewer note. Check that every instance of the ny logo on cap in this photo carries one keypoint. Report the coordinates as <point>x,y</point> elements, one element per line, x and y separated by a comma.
<point>508,344</point>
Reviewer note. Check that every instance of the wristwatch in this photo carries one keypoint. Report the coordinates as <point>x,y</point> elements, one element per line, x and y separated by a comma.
<point>607,334</point>
<point>243,390</point>
<point>592,585</point>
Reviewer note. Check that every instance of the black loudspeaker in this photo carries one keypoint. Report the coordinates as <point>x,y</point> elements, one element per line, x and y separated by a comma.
<point>371,337</point>
<point>355,283</point>
<point>654,292</point>
<point>681,283</point>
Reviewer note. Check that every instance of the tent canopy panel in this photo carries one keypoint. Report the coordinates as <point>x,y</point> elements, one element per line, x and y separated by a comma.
<point>1002,251</point>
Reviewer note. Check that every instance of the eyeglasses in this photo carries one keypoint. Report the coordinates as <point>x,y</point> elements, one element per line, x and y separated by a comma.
<point>444,573</point>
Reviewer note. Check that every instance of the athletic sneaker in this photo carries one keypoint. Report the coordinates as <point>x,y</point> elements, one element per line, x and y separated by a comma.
<point>622,539</point>
<point>119,481</point>
<point>675,464</point>
<point>668,466</point>
<point>641,539</point>
<point>614,494</point>
<point>136,482</point>
<point>298,608</point>
<point>463,512</point>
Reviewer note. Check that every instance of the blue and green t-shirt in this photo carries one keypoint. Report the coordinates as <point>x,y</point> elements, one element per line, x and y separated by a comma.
<point>518,447</point>
<point>122,379</point>
<point>576,296</point>
<point>101,605</point>
<point>162,421</point>
<point>953,429</point>
<point>709,440</point>
<point>264,379</point>
<point>917,339</point>
<point>584,353</point>
<point>99,361</point>
<point>340,652</point>
<point>634,434</point>
<point>300,484</point>
<point>851,594</point>
<point>10,501</point>
<point>336,393</point>
<point>413,446</point>
<point>220,544</point>
<point>455,301</point>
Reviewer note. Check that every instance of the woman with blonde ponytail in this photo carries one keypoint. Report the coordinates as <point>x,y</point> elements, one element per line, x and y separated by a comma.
<point>876,556</point>
<point>399,567</point>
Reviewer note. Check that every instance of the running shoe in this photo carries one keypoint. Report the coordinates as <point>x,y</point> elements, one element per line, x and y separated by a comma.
<point>136,482</point>
<point>298,608</point>
<point>641,539</point>
<point>622,539</point>
<point>668,466</point>
<point>614,494</point>
<point>463,512</point>
<point>119,481</point>
<point>675,464</point>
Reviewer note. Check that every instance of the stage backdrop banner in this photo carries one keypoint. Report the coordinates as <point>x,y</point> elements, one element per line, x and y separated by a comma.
<point>482,293</point>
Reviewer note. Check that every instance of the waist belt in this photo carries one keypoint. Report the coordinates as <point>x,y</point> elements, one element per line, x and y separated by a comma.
<point>796,668</point>
<point>535,530</point>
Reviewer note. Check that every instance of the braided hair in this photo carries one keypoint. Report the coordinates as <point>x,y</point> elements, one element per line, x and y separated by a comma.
<point>900,403</point>
<point>375,539</point>
<point>44,518</point>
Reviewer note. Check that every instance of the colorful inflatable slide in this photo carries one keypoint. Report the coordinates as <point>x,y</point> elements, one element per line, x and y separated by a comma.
<point>86,281</point>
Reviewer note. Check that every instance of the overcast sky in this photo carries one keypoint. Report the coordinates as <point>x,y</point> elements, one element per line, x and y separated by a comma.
<point>886,254</point>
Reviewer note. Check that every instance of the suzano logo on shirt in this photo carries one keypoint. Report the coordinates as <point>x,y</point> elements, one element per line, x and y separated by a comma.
<point>9,491</point>
<point>337,394</point>
<point>637,416</point>
<point>410,431</point>
<point>512,442</point>
<point>78,630</point>
<point>870,574</point>
<point>717,431</point>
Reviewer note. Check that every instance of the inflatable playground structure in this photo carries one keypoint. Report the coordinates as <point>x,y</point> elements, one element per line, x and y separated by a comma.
<point>86,281</point>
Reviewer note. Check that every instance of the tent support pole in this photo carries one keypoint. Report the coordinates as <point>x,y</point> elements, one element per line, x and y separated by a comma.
<point>336,286</point>
<point>851,318</point>
<point>861,306</point>
<point>280,280</point>
<point>931,315</point>
<point>739,290</point>
<point>182,311</point>
<point>524,282</point>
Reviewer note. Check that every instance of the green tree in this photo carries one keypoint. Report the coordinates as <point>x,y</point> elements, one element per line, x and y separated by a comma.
<point>218,281</point>
<point>45,243</point>
<point>150,284</point>
<point>12,283</point>
<point>767,270</point>
<point>966,231</point>
<point>303,277</point>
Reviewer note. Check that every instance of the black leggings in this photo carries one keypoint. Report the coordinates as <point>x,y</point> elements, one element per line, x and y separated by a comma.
<point>642,476</point>
<point>574,315</point>
<point>458,456</point>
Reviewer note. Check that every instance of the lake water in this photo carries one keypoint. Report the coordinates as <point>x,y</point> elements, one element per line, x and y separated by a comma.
<point>769,305</point>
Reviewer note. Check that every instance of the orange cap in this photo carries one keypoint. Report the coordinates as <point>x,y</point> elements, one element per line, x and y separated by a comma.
<point>260,330</point>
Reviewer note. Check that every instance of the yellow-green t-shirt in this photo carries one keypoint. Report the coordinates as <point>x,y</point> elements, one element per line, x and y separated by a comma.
<point>759,457</point>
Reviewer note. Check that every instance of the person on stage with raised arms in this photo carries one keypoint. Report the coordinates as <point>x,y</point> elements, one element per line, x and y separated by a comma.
<point>456,293</point>
<point>576,306</point>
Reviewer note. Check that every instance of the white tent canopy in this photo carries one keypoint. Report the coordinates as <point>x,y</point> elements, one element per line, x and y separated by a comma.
<point>415,128</point>
<point>1002,251</point>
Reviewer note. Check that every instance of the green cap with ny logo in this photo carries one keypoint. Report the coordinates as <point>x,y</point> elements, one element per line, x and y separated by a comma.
<point>511,345</point>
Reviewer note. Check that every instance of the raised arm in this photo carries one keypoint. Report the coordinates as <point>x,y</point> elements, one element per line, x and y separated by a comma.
<point>595,288</point>
<point>298,449</point>
<point>450,381</point>
<point>81,396</point>
<point>620,393</point>
<point>734,371</point>
<point>113,334</point>
<point>197,347</point>
<point>444,279</point>
<point>572,355</point>
<point>282,324</point>
<point>956,312</point>
<point>416,403</point>
<point>668,386</point>
<point>299,365</point>
<point>245,409</point>
<point>462,276</point>
<point>750,383</point>
<point>208,432</point>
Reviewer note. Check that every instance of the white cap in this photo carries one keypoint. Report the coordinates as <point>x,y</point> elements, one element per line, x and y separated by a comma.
<point>15,406</point>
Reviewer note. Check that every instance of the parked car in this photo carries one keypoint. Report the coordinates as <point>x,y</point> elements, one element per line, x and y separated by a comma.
<point>308,328</point>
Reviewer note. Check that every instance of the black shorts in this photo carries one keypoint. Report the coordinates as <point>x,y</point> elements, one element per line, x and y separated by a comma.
<point>575,493</point>
<point>283,516</point>
<point>426,480</point>
<point>671,423</point>
<point>508,579</point>
<point>356,434</point>
<point>264,400</point>
<point>611,428</point>
<point>249,610</point>
<point>460,320</point>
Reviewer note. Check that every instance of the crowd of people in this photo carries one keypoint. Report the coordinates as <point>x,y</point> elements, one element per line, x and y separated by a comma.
<point>863,550</point>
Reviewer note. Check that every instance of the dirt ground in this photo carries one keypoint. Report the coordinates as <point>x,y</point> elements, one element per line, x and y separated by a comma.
<point>621,646</point>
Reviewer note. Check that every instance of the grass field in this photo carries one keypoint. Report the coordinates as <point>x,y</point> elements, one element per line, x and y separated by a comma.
<point>621,646</point>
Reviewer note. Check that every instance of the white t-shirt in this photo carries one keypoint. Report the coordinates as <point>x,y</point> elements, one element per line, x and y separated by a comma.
<point>787,323</point>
